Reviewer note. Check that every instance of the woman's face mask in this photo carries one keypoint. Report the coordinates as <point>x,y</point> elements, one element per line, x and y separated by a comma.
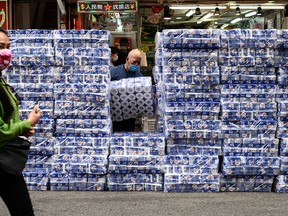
<point>5,58</point>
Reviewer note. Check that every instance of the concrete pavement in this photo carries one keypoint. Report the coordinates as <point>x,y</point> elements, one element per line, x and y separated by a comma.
<point>78,203</point>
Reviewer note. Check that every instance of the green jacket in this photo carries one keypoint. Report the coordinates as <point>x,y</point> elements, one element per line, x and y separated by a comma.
<point>15,127</point>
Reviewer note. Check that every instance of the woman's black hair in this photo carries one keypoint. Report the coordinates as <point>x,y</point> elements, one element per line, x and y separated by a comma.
<point>4,31</point>
<point>4,98</point>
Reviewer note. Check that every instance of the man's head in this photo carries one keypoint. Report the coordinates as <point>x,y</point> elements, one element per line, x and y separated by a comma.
<point>114,54</point>
<point>124,45</point>
<point>133,61</point>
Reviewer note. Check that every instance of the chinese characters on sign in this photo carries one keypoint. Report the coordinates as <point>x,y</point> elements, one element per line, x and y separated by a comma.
<point>107,7</point>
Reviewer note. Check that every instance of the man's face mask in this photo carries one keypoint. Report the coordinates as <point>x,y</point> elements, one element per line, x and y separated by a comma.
<point>133,68</point>
<point>5,58</point>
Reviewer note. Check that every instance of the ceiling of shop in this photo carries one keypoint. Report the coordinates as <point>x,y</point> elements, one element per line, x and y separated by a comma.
<point>179,18</point>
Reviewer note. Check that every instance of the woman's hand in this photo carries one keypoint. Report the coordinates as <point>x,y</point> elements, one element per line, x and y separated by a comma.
<point>29,132</point>
<point>34,116</point>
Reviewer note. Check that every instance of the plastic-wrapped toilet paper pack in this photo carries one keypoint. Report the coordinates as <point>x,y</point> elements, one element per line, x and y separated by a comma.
<point>284,147</point>
<point>186,173</point>
<point>59,181</point>
<point>190,38</point>
<point>191,164</point>
<point>135,182</point>
<point>194,147</point>
<point>249,129</point>
<point>82,145</point>
<point>86,182</point>
<point>249,165</point>
<point>42,146</point>
<point>130,98</point>
<point>251,147</point>
<point>182,188</point>
<point>80,164</point>
<point>244,183</point>
<point>38,164</point>
<point>247,38</point>
<point>32,47</point>
<point>282,75</point>
<point>235,111</point>
<point>282,39</point>
<point>140,144</point>
<point>136,153</point>
<point>281,184</point>
<point>36,180</point>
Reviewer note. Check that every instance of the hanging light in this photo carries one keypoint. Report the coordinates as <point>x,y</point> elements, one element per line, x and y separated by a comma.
<point>217,11</point>
<point>237,11</point>
<point>197,11</point>
<point>259,11</point>
<point>189,13</point>
<point>167,15</point>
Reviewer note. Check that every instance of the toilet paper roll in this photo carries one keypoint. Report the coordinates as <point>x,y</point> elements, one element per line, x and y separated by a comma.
<point>113,91</point>
<point>125,104</point>
<point>148,114</point>
<point>131,97</point>
<point>126,116</point>
<point>140,102</point>
<point>122,90</point>
<point>149,102</point>
<point>133,115</point>
<point>133,103</point>
<point>118,118</point>
<point>130,89</point>
<point>139,96</point>
<point>138,89</point>
<point>123,97</point>
<point>118,111</point>
<point>125,110</point>
<point>115,98</point>
<point>133,110</point>
<point>149,109</point>
<point>116,105</point>
<point>147,89</point>
<point>147,96</point>
<point>141,109</point>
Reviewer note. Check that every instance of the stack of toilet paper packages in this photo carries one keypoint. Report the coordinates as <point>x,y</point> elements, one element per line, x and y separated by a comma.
<point>81,47</point>
<point>131,98</point>
<point>158,79</point>
<point>31,75</point>
<point>82,109</point>
<point>189,83</point>
<point>246,183</point>
<point>79,160</point>
<point>195,146</point>
<point>76,165</point>
<point>249,108</point>
<point>32,47</point>
<point>191,173</point>
<point>82,78</point>
<point>135,162</point>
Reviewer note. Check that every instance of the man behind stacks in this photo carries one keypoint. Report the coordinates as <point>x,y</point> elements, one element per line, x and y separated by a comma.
<point>128,70</point>
<point>123,51</point>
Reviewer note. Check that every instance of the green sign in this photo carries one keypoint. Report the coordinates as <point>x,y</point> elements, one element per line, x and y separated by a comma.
<point>107,6</point>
